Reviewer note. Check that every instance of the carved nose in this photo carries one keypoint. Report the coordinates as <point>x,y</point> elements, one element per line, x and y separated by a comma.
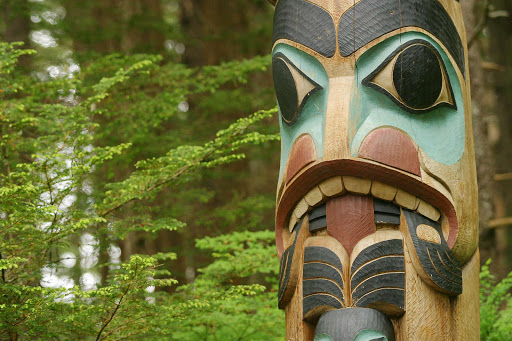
<point>391,147</point>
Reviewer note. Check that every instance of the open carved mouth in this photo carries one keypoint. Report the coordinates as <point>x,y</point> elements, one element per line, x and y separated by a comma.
<point>332,206</point>
<point>341,185</point>
<point>329,182</point>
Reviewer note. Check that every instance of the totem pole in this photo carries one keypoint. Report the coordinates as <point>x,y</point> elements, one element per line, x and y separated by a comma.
<point>376,220</point>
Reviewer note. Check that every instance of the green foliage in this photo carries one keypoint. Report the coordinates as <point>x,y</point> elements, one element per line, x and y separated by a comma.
<point>495,306</point>
<point>230,309</point>
<point>54,143</point>
<point>154,173</point>
<point>8,59</point>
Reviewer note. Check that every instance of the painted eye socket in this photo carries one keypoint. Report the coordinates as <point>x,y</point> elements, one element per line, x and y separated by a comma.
<point>414,77</point>
<point>293,88</point>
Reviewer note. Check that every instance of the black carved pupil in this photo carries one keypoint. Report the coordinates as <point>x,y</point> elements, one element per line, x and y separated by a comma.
<point>418,77</point>
<point>286,91</point>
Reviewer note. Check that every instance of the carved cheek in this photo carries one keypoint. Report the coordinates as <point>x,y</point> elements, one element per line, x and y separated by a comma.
<point>303,152</point>
<point>391,147</point>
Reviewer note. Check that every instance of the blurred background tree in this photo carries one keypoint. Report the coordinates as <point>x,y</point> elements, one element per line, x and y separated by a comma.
<point>115,158</point>
<point>489,25</point>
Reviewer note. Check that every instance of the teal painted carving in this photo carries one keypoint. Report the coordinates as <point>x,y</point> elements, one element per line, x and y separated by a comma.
<point>370,335</point>
<point>440,133</point>
<point>311,119</point>
<point>323,337</point>
<point>363,335</point>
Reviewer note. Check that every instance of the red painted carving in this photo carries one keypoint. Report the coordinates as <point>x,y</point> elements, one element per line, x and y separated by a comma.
<point>391,147</point>
<point>303,153</point>
<point>350,218</point>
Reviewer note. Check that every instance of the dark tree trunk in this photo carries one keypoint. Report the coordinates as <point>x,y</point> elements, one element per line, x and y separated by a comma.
<point>107,26</point>
<point>17,24</point>
<point>498,68</point>
<point>217,31</point>
<point>490,68</point>
<point>483,151</point>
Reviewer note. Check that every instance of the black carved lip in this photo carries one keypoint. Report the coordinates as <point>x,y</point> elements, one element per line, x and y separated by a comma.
<point>318,172</point>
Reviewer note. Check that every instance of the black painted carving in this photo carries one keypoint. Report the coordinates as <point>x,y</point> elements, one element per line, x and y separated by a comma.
<point>346,324</point>
<point>370,19</point>
<point>320,285</point>
<point>436,259</point>
<point>393,297</point>
<point>322,279</point>
<point>410,69</point>
<point>285,85</point>
<point>377,270</point>
<point>381,265</point>
<point>323,255</point>
<point>418,77</point>
<point>285,268</point>
<point>318,300</point>
<point>386,212</point>
<point>286,91</point>
<point>321,270</point>
<point>306,24</point>
<point>385,248</point>
<point>317,219</point>
<point>385,280</point>
<point>386,218</point>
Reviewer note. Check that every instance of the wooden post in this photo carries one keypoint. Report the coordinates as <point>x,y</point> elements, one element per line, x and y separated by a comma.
<point>377,214</point>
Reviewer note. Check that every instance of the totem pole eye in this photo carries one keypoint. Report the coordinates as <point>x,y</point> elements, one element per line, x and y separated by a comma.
<point>414,77</point>
<point>293,87</point>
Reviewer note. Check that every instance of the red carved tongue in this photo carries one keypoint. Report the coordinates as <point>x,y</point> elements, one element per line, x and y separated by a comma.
<point>350,218</point>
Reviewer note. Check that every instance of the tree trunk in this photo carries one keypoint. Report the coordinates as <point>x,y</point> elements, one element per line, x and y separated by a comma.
<point>17,25</point>
<point>490,62</point>
<point>498,67</point>
<point>483,152</point>
<point>217,30</point>
<point>108,26</point>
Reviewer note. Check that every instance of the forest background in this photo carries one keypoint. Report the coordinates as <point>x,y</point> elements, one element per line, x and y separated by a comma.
<point>139,154</point>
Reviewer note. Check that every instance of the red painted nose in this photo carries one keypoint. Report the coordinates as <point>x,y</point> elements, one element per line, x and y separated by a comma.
<point>391,147</point>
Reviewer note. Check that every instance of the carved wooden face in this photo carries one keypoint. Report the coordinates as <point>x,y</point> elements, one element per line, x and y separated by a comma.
<point>376,127</point>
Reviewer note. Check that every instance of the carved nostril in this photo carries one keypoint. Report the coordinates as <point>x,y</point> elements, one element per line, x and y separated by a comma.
<point>391,147</point>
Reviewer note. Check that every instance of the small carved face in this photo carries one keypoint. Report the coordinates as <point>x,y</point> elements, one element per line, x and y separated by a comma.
<point>374,105</point>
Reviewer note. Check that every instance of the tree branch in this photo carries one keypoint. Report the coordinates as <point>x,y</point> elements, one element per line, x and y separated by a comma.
<point>481,25</point>
<point>3,270</point>
<point>118,305</point>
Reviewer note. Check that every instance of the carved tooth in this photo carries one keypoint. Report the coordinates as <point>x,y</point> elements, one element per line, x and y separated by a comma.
<point>301,208</point>
<point>332,186</point>
<point>417,203</point>
<point>406,200</point>
<point>357,185</point>
<point>293,221</point>
<point>314,196</point>
<point>383,191</point>
<point>427,210</point>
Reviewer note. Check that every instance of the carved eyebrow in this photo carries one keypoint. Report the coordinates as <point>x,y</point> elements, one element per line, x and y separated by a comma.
<point>306,24</point>
<point>370,19</point>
